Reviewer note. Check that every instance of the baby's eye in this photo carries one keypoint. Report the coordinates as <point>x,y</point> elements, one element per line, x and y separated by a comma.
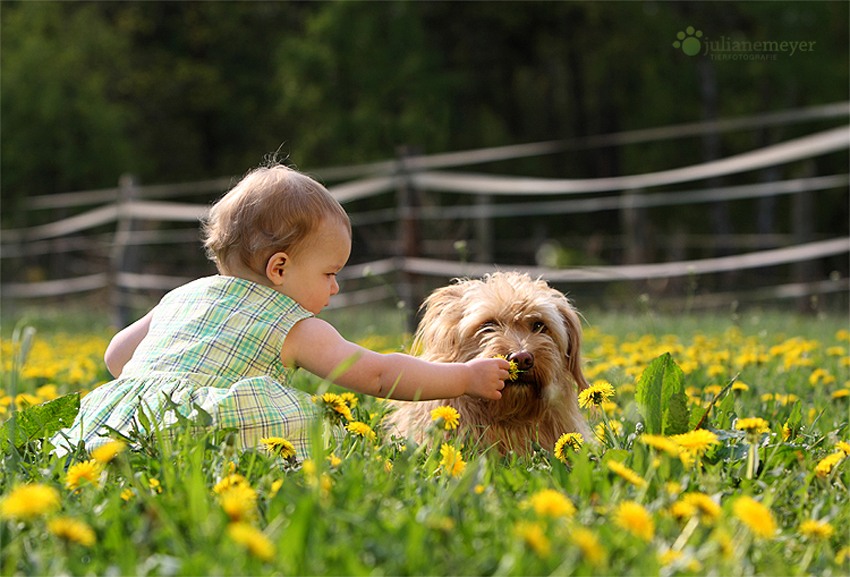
<point>538,327</point>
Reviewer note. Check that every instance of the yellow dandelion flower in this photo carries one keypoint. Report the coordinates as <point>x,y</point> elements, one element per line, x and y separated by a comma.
<point>752,425</point>
<point>632,517</point>
<point>786,431</point>
<point>566,441</point>
<point>29,501</point>
<point>589,545</point>
<point>451,461</point>
<point>842,555</point>
<point>154,485</point>
<point>279,446</point>
<point>740,387</point>
<point>83,473</point>
<point>449,416</point>
<point>551,503</point>
<point>361,430</point>
<point>673,488</point>
<point>349,399</point>
<point>816,530</point>
<point>821,377</point>
<point>275,487</point>
<point>127,494</point>
<point>843,446</point>
<point>828,463</point>
<point>755,516</point>
<point>334,460</point>
<point>842,335</point>
<point>105,453</point>
<point>336,405</point>
<point>72,530</point>
<point>228,482</point>
<point>252,539</point>
<point>669,556</point>
<point>534,536</point>
<point>513,368</point>
<point>239,502</point>
<point>596,394</point>
<point>661,443</point>
<point>694,444</point>
<point>682,511</point>
<point>706,506</point>
<point>614,427</point>
<point>626,473</point>
<point>840,394</point>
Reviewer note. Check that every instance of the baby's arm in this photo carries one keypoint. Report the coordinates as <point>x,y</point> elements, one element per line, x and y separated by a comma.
<point>317,347</point>
<point>123,345</point>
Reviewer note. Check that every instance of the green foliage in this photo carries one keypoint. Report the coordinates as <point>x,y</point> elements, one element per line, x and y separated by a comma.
<point>661,397</point>
<point>40,421</point>
<point>359,507</point>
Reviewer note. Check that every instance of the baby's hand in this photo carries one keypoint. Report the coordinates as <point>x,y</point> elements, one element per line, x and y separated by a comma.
<point>487,378</point>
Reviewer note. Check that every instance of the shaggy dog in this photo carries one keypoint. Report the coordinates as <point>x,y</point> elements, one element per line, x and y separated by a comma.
<point>505,314</point>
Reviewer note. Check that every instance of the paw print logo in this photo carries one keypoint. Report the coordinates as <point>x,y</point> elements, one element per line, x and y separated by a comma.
<point>689,41</point>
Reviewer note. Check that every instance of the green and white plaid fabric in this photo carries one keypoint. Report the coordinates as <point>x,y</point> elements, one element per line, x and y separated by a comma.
<point>214,343</point>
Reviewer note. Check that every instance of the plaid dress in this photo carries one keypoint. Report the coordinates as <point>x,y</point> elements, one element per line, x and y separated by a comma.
<point>213,343</point>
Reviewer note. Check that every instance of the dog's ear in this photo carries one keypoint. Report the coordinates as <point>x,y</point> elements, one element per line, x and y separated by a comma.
<point>437,336</point>
<point>572,321</point>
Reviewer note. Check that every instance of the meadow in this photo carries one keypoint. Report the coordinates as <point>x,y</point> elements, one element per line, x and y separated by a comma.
<point>722,447</point>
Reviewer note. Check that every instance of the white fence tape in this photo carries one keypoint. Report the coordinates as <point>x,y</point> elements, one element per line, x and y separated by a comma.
<point>450,269</point>
<point>800,148</point>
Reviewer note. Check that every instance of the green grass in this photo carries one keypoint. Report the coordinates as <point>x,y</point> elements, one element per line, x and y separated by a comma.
<point>389,507</point>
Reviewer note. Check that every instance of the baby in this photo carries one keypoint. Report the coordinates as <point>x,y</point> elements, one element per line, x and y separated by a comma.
<point>229,343</point>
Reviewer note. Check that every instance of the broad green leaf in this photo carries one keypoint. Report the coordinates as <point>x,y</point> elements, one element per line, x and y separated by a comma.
<point>40,421</point>
<point>676,414</point>
<point>656,387</point>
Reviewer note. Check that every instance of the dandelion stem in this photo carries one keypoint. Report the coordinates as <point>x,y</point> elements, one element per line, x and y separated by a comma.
<point>752,461</point>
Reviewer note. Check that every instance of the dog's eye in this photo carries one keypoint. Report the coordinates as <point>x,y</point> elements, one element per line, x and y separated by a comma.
<point>487,327</point>
<point>538,327</point>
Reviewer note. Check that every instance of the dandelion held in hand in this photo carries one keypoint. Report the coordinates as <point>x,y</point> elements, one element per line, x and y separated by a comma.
<point>513,368</point>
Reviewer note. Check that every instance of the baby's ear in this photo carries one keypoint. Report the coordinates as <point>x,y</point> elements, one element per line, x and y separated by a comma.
<point>275,267</point>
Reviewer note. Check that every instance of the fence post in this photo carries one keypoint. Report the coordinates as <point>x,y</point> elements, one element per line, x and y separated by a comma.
<point>123,256</point>
<point>635,229</point>
<point>408,235</point>
<point>802,230</point>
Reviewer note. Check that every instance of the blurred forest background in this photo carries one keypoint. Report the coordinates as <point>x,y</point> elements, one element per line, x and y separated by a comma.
<point>182,91</point>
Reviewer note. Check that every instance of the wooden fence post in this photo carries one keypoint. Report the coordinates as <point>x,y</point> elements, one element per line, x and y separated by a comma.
<point>123,256</point>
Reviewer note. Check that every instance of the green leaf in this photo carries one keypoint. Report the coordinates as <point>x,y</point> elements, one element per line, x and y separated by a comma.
<point>661,397</point>
<point>676,414</point>
<point>40,421</point>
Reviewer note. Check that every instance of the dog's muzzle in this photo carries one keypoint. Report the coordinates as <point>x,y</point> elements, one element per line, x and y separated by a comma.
<point>525,362</point>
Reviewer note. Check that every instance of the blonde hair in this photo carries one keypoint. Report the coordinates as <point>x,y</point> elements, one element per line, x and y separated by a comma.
<point>272,209</point>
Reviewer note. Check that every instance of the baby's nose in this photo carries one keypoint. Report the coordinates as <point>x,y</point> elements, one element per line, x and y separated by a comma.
<point>524,360</point>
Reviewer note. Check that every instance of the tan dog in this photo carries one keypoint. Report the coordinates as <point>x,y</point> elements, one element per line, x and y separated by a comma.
<point>525,320</point>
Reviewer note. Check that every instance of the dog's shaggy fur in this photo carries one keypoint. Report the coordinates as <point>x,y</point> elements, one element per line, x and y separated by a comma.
<point>525,320</point>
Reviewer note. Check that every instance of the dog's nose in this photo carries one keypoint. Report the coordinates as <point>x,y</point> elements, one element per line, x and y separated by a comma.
<point>523,359</point>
